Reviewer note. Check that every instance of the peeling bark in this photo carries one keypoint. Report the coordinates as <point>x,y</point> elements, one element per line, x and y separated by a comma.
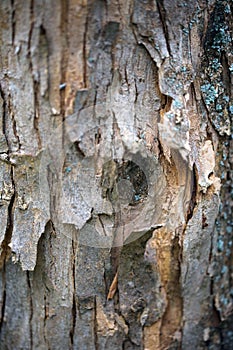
<point>116,174</point>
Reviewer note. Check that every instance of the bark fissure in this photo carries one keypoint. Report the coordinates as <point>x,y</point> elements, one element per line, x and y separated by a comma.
<point>216,313</point>
<point>3,297</point>
<point>31,31</point>
<point>191,209</point>
<point>5,248</point>
<point>37,112</point>
<point>35,82</point>
<point>226,74</point>
<point>102,225</point>
<point>74,311</point>
<point>31,308</point>
<point>4,116</point>
<point>64,60</point>
<point>163,16</point>
<point>46,315</point>
<point>14,124</point>
<point>13,21</point>
<point>105,281</point>
<point>95,325</point>
<point>85,53</point>
<point>8,111</point>
<point>194,196</point>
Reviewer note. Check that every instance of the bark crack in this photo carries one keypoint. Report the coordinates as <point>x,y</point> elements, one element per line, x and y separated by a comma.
<point>74,309</point>
<point>193,200</point>
<point>37,112</point>
<point>162,15</point>
<point>105,281</point>
<point>46,315</point>
<point>3,297</point>
<point>64,60</point>
<point>13,123</point>
<point>31,309</point>
<point>31,30</point>
<point>95,326</point>
<point>226,74</point>
<point>7,106</point>
<point>85,53</point>
<point>5,249</point>
<point>192,205</point>
<point>102,224</point>
<point>34,81</point>
<point>4,115</point>
<point>13,21</point>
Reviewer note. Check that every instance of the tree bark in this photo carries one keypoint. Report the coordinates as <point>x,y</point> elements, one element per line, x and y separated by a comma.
<point>116,174</point>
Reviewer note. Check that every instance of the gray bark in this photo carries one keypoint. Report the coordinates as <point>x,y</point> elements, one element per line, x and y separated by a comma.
<point>116,174</point>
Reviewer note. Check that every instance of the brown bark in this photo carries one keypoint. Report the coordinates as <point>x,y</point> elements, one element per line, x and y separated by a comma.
<point>116,174</point>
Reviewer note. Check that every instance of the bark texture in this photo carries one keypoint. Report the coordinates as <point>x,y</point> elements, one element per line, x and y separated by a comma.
<point>116,225</point>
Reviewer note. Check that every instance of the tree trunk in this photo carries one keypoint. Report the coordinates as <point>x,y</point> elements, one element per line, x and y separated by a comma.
<point>116,174</point>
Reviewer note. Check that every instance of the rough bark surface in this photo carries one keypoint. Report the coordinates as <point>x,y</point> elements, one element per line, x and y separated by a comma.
<point>116,226</point>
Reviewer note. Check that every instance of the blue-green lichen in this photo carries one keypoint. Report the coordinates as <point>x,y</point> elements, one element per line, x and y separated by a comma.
<point>215,78</point>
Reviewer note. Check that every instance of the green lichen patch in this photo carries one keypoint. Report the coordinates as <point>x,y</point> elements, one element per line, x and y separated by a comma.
<point>216,72</point>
